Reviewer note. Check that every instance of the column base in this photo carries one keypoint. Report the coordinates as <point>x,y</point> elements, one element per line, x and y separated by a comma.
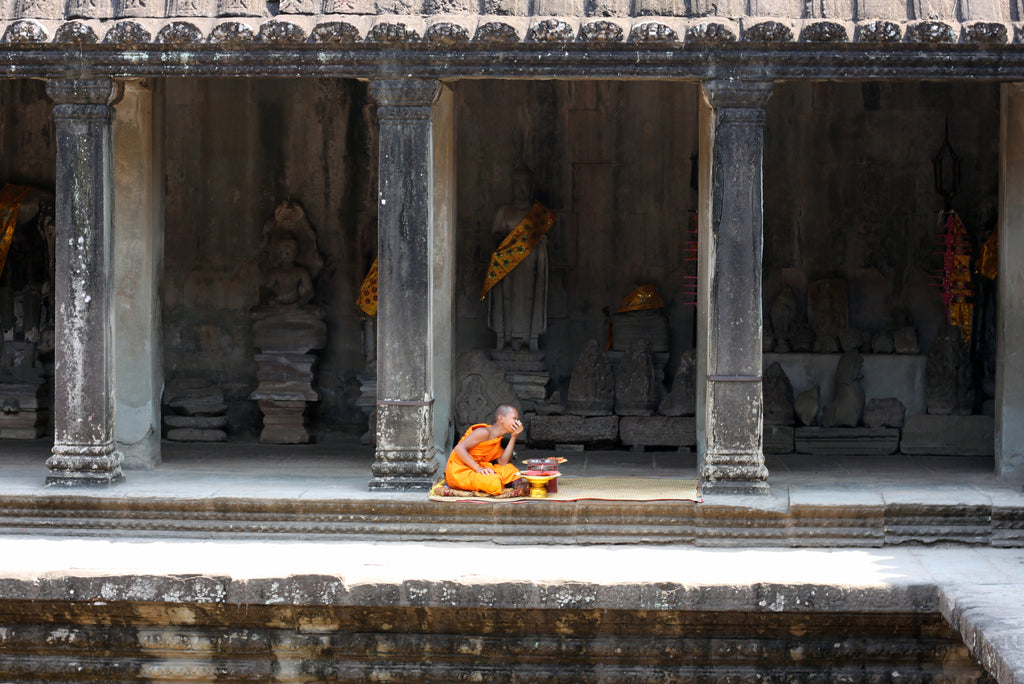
<point>84,479</point>
<point>403,469</point>
<point>84,465</point>
<point>734,473</point>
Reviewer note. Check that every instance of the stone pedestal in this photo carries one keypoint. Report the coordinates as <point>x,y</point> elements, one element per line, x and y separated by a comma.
<point>553,430</point>
<point>194,411</point>
<point>526,372</point>
<point>657,431</point>
<point>23,410</point>
<point>778,439</point>
<point>84,451</point>
<point>406,456</point>
<point>839,441</point>
<point>948,435</point>
<point>729,290</point>
<point>286,376</point>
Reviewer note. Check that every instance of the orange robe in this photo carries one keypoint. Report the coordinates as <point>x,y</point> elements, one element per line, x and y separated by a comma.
<point>458,475</point>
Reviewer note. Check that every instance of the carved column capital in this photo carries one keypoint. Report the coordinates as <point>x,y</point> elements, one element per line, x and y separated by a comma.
<point>738,102</point>
<point>408,98</point>
<point>84,91</point>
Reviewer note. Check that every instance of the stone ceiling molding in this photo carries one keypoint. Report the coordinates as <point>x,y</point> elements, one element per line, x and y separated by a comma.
<point>985,33</point>
<point>75,32</point>
<point>25,31</point>
<point>930,32</point>
<point>551,31</point>
<point>603,31</point>
<point>446,33</point>
<point>231,33</point>
<point>767,32</point>
<point>496,32</point>
<point>824,32</point>
<point>879,31</point>
<point>128,33</point>
<point>653,32</point>
<point>180,33</point>
<point>335,33</point>
<point>280,33</point>
<point>392,32</point>
<point>712,33</point>
<point>442,31</point>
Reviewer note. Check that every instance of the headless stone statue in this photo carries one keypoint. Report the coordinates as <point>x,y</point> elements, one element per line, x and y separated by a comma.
<point>778,396</point>
<point>947,375</point>
<point>806,405</point>
<point>592,386</point>
<point>518,304</point>
<point>848,407</point>
<point>783,316</point>
<point>636,387</point>
<point>682,400</point>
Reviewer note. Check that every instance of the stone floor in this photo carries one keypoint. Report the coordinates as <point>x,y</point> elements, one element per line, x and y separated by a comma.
<point>339,467</point>
<point>979,590</point>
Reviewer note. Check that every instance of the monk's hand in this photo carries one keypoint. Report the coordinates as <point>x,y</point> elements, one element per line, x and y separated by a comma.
<point>486,471</point>
<point>517,426</point>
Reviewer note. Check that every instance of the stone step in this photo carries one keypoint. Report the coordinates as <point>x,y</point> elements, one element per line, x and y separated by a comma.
<point>719,521</point>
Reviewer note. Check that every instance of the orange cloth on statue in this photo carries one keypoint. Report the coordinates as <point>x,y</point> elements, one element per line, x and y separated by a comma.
<point>11,197</point>
<point>458,475</point>
<point>367,301</point>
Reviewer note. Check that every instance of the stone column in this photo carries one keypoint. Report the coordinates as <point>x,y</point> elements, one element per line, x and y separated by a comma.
<point>138,267</point>
<point>83,449</point>
<point>1009,423</point>
<point>405,457</point>
<point>731,459</point>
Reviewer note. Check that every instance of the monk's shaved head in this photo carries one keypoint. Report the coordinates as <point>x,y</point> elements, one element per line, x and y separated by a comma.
<point>504,410</point>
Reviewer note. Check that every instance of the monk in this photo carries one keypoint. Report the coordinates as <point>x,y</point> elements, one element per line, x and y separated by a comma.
<point>478,463</point>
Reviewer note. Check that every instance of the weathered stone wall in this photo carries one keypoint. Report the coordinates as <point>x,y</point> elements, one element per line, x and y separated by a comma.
<point>27,138</point>
<point>612,160</point>
<point>234,148</point>
<point>849,190</point>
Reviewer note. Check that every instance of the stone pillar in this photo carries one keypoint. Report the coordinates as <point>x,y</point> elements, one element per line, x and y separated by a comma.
<point>1009,423</point>
<point>138,267</point>
<point>731,459</point>
<point>84,451</point>
<point>405,456</point>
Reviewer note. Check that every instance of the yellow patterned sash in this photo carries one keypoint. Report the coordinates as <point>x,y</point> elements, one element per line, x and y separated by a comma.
<point>367,301</point>
<point>517,245</point>
<point>11,198</point>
